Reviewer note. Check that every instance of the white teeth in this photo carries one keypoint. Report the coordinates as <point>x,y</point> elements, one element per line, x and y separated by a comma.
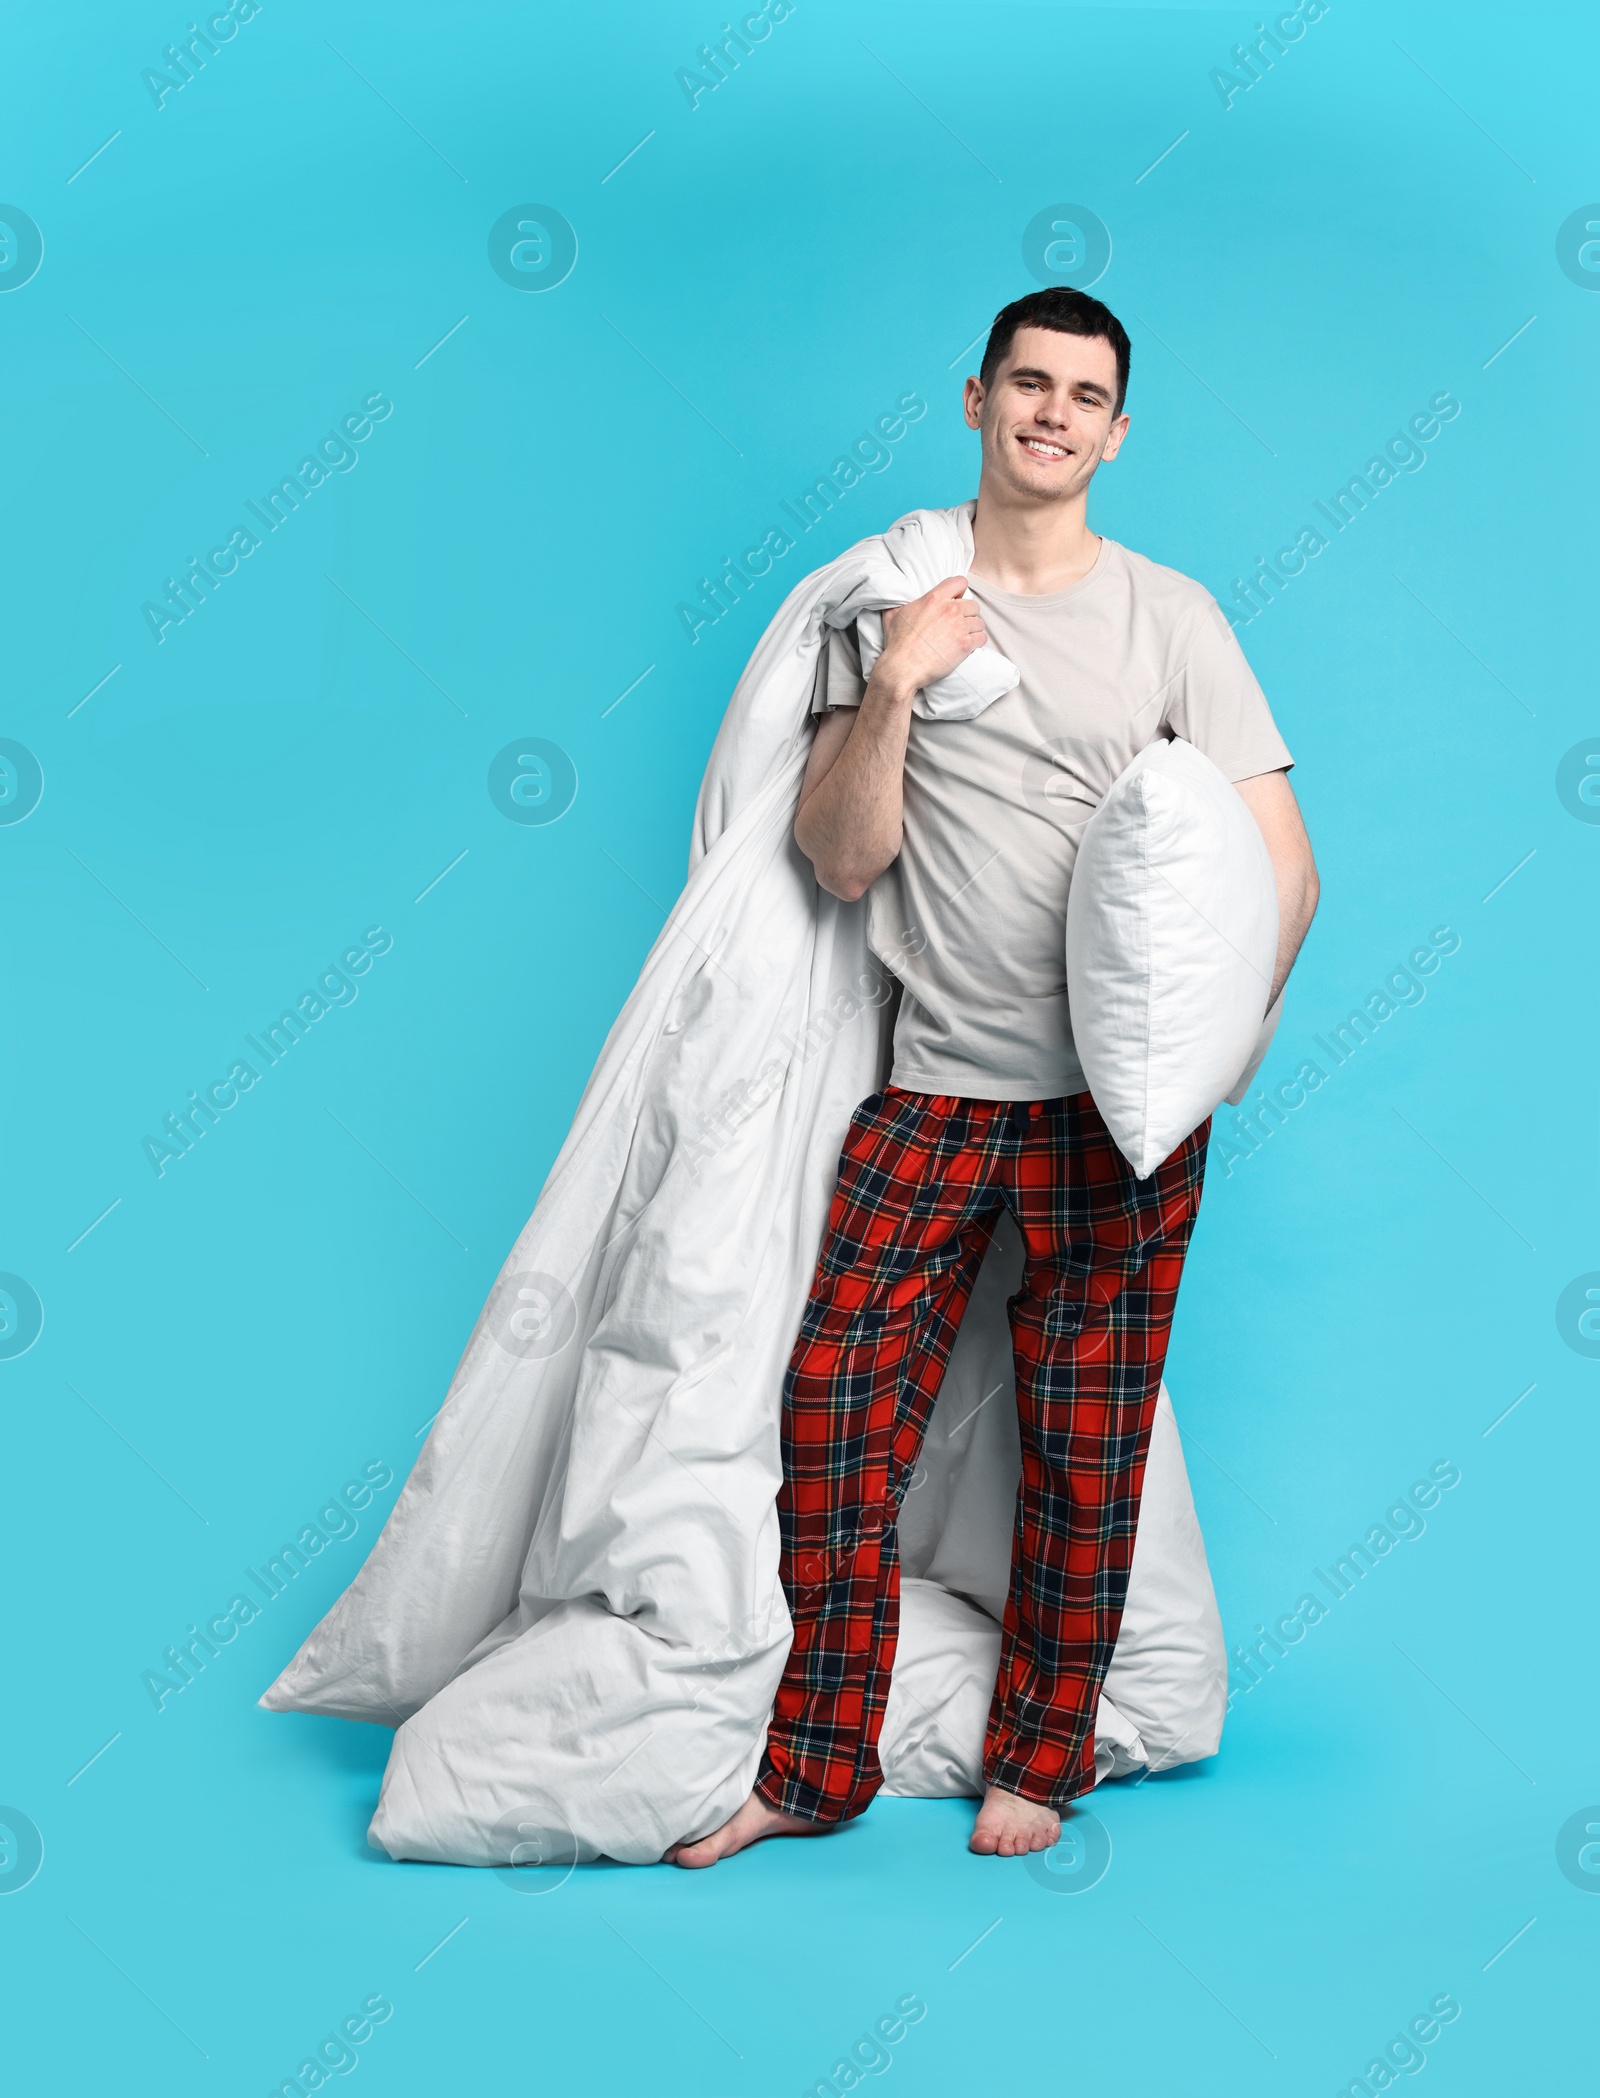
<point>1045,451</point>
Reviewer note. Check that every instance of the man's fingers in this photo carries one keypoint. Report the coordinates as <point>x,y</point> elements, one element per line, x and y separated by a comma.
<point>937,623</point>
<point>953,588</point>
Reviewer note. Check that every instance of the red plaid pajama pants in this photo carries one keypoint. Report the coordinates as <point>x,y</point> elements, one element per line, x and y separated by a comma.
<point>921,1181</point>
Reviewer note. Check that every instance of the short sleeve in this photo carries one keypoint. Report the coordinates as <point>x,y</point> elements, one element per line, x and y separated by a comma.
<point>839,680</point>
<point>1216,704</point>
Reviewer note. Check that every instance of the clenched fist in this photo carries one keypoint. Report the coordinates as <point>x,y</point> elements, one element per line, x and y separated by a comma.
<point>925,640</point>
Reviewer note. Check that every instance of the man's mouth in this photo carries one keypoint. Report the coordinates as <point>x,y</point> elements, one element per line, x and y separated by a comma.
<point>1043,448</point>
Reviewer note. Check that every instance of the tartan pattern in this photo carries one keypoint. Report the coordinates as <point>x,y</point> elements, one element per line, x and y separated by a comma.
<point>921,1180</point>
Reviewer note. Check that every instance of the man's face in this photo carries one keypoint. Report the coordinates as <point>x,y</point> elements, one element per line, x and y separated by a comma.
<point>1047,417</point>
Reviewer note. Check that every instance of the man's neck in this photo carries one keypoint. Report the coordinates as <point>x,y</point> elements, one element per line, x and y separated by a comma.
<point>1028,547</point>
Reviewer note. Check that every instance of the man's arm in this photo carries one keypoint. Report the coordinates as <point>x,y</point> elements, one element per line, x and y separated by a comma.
<point>1270,799</point>
<point>849,820</point>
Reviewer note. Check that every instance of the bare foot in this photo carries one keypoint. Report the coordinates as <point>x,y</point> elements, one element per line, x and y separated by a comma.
<point>754,1820</point>
<point>1009,1827</point>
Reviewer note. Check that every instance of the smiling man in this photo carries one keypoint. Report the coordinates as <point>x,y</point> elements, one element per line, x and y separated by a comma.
<point>962,835</point>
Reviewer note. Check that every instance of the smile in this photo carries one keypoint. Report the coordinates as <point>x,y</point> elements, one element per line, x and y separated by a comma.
<point>1042,448</point>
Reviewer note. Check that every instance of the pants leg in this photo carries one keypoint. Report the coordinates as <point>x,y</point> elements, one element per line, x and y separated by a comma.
<point>911,1218</point>
<point>1089,1326</point>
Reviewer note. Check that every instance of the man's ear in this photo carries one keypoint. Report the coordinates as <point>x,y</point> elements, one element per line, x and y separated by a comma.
<point>972,402</point>
<point>1118,431</point>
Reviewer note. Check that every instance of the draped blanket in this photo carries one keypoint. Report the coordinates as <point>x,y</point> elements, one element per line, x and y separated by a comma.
<point>573,1615</point>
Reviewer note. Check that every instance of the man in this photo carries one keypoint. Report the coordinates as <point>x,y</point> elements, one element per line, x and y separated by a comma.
<point>966,831</point>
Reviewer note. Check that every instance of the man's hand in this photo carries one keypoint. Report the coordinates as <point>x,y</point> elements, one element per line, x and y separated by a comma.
<point>925,640</point>
<point>849,820</point>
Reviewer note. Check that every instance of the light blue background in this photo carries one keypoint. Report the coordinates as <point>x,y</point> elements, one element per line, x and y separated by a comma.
<point>300,226</point>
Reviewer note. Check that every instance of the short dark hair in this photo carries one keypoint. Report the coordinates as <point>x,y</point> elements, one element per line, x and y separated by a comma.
<point>1068,312</point>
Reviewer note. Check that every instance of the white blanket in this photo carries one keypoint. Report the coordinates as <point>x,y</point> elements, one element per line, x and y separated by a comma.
<point>574,1607</point>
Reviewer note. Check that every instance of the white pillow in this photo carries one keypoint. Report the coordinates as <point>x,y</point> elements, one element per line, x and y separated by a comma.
<point>1172,933</point>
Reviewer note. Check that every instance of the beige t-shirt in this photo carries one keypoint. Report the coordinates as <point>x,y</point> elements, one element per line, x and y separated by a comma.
<point>971,916</point>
